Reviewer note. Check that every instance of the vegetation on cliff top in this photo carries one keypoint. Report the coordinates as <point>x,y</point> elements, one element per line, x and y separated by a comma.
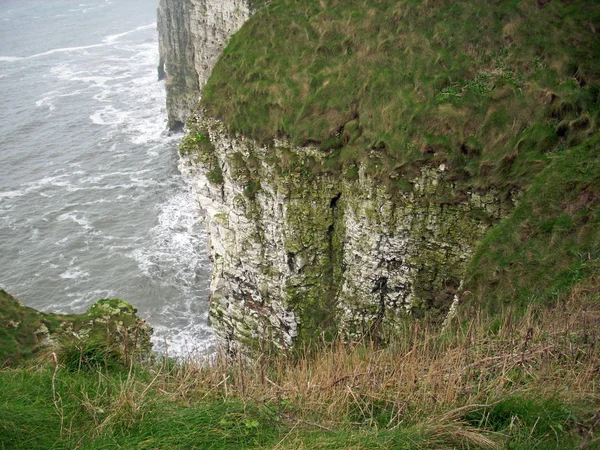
<point>520,380</point>
<point>492,89</point>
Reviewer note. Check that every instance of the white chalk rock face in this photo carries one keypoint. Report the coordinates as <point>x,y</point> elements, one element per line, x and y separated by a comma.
<point>296,250</point>
<point>192,35</point>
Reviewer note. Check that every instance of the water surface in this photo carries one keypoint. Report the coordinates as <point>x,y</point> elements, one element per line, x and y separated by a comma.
<point>91,202</point>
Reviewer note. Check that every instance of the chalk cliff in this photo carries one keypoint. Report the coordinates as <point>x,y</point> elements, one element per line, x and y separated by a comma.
<point>297,250</point>
<point>192,34</point>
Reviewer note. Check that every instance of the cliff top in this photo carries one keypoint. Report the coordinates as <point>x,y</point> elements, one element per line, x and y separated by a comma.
<point>493,90</point>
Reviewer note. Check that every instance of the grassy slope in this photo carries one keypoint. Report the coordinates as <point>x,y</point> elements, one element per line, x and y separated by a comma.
<point>487,382</point>
<point>551,241</point>
<point>104,335</point>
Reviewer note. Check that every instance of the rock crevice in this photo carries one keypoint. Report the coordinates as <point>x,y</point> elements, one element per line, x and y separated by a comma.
<point>309,253</point>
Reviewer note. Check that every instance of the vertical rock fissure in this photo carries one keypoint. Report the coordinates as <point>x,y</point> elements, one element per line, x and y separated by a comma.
<point>333,251</point>
<point>291,261</point>
<point>381,287</point>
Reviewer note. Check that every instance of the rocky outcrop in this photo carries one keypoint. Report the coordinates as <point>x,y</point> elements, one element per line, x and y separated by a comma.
<point>111,325</point>
<point>298,250</point>
<point>192,34</point>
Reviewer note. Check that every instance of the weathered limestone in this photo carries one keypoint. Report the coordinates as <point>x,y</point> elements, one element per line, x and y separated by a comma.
<point>192,34</point>
<point>295,251</point>
<point>298,250</point>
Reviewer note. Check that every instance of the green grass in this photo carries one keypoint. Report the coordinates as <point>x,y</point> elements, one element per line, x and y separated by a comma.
<point>510,381</point>
<point>489,88</point>
<point>108,333</point>
<point>96,412</point>
<point>531,422</point>
<point>552,239</point>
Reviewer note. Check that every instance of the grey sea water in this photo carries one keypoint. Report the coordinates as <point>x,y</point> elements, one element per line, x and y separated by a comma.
<point>91,202</point>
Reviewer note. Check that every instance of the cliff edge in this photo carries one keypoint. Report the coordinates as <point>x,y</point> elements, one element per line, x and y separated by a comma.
<point>192,35</point>
<point>361,164</point>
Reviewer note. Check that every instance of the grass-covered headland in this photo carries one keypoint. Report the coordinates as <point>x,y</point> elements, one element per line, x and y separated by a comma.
<point>507,95</point>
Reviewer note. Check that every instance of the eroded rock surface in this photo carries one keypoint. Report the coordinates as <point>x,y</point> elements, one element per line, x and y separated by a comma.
<point>296,250</point>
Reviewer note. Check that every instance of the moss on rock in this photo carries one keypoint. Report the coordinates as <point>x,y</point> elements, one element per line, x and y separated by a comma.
<point>109,323</point>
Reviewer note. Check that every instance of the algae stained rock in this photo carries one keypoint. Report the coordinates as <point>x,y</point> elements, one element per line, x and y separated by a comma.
<point>312,251</point>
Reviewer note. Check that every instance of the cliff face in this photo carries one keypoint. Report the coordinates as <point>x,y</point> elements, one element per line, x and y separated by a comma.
<point>192,34</point>
<point>296,252</point>
<point>297,248</point>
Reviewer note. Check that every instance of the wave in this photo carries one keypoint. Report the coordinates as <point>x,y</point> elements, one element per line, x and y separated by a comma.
<point>11,194</point>
<point>50,52</point>
<point>65,50</point>
<point>81,221</point>
<point>115,37</point>
<point>108,40</point>
<point>10,58</point>
<point>74,273</point>
<point>194,340</point>
<point>95,179</point>
<point>46,101</point>
<point>108,115</point>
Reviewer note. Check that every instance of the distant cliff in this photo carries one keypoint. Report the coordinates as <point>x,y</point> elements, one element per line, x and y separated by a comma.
<point>192,34</point>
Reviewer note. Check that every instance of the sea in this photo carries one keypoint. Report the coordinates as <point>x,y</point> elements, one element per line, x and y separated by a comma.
<point>91,202</point>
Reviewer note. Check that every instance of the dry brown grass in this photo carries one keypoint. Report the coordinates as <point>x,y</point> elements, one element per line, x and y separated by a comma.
<point>520,378</point>
<point>424,376</point>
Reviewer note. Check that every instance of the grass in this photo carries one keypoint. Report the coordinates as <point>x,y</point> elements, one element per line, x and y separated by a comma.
<point>519,380</point>
<point>109,333</point>
<point>551,241</point>
<point>489,89</point>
